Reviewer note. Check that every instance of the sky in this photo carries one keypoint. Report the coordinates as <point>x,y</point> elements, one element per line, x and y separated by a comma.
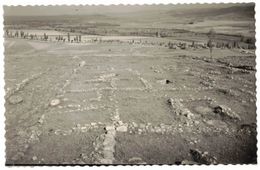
<point>87,10</point>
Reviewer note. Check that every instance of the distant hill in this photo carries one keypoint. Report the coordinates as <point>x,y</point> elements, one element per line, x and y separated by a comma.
<point>225,18</point>
<point>235,12</point>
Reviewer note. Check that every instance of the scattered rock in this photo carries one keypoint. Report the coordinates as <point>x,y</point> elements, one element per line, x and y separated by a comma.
<point>41,119</point>
<point>74,71</point>
<point>34,136</point>
<point>55,102</point>
<point>83,128</point>
<point>84,156</point>
<point>215,72</point>
<point>109,128</point>
<point>93,124</point>
<point>225,111</point>
<point>134,125</point>
<point>205,83</point>
<point>121,128</point>
<point>82,63</point>
<point>162,125</point>
<point>196,122</point>
<point>178,108</point>
<point>228,92</point>
<point>202,157</point>
<point>218,110</point>
<point>175,105</point>
<point>34,158</point>
<point>164,81</point>
<point>248,128</point>
<point>120,122</point>
<point>15,99</point>
<point>187,113</point>
<point>168,81</point>
<point>157,129</point>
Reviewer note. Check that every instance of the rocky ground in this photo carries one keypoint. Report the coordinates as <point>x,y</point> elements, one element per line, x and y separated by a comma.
<point>128,104</point>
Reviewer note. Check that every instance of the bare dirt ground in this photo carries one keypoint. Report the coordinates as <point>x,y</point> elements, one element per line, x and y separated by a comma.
<point>127,104</point>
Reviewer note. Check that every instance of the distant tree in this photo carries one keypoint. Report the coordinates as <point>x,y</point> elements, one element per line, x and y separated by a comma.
<point>45,37</point>
<point>250,40</point>
<point>170,45</point>
<point>158,34</point>
<point>7,32</point>
<point>16,34</point>
<point>211,35</point>
<point>193,44</point>
<point>22,34</point>
<point>68,37</point>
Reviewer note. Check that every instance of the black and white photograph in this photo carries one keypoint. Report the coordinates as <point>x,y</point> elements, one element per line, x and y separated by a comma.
<point>158,84</point>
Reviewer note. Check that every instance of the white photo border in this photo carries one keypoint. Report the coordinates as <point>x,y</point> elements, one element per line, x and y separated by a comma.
<point>124,2</point>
